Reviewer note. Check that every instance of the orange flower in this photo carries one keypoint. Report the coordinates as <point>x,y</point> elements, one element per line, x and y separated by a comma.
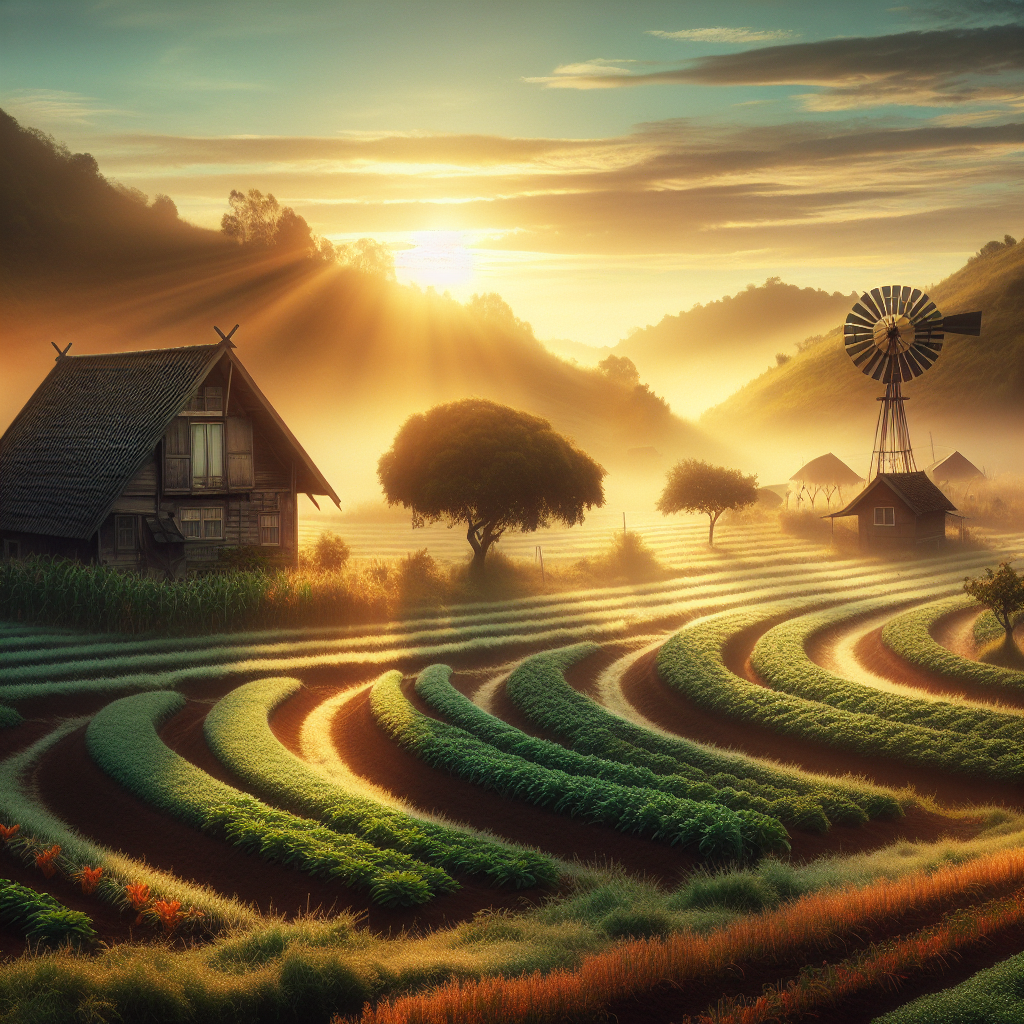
<point>169,912</point>
<point>88,878</point>
<point>44,861</point>
<point>7,832</point>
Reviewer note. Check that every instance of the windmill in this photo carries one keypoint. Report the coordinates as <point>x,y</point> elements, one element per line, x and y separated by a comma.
<point>892,334</point>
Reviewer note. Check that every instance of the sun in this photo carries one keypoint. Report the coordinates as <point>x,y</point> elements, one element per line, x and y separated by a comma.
<point>438,258</point>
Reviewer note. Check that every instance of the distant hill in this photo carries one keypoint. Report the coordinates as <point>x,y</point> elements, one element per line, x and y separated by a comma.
<point>697,357</point>
<point>344,355</point>
<point>973,394</point>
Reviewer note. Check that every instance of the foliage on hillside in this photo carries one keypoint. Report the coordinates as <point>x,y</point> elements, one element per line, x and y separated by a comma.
<point>973,376</point>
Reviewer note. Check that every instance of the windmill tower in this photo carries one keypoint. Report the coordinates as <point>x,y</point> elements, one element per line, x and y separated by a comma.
<point>892,334</point>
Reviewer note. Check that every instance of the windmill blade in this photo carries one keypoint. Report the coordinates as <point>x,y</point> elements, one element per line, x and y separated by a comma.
<point>883,367</point>
<point>924,313</point>
<point>963,323</point>
<point>873,361</point>
<point>887,298</point>
<point>860,321</point>
<point>905,298</point>
<point>916,367</point>
<point>868,352</point>
<point>924,356</point>
<point>853,350</point>
<point>864,313</point>
<point>876,294</point>
<point>917,306</point>
<point>927,337</point>
<point>869,303</point>
<point>905,371</point>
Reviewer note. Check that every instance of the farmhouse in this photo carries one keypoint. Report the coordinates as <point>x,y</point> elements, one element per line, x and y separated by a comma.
<point>899,510</point>
<point>153,461</point>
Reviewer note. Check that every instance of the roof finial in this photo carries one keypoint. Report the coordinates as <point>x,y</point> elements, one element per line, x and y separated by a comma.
<point>60,354</point>
<point>225,339</point>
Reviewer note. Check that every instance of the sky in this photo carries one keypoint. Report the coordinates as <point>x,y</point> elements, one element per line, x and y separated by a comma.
<point>597,164</point>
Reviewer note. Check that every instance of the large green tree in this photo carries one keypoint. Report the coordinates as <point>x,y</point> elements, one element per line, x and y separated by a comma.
<point>696,486</point>
<point>489,468</point>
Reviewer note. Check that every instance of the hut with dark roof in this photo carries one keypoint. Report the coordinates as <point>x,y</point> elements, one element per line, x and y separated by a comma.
<point>153,461</point>
<point>899,511</point>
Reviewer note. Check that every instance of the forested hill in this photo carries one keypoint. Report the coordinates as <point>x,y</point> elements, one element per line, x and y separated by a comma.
<point>699,355</point>
<point>976,384</point>
<point>345,355</point>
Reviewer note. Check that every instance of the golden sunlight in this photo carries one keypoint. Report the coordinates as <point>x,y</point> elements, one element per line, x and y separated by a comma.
<point>438,258</point>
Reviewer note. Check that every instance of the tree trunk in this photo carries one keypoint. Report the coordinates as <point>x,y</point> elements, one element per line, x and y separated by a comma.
<point>711,529</point>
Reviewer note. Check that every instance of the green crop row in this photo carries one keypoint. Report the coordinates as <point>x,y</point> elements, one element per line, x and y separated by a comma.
<point>9,717</point>
<point>691,661</point>
<point>123,740</point>
<point>910,637</point>
<point>41,918</point>
<point>439,693</point>
<point>992,996</point>
<point>780,658</point>
<point>538,688</point>
<point>712,830</point>
<point>239,733</point>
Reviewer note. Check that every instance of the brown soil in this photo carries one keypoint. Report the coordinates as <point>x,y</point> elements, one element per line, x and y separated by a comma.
<point>672,1002</point>
<point>372,754</point>
<point>672,710</point>
<point>22,736</point>
<point>110,923</point>
<point>75,789</point>
<point>874,655</point>
<point>955,631</point>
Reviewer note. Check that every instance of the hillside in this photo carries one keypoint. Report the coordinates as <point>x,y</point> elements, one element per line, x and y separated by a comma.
<point>345,356</point>
<point>973,394</point>
<point>697,357</point>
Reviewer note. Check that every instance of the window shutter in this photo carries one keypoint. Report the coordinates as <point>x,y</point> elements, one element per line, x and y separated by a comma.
<point>240,473</point>
<point>177,464</point>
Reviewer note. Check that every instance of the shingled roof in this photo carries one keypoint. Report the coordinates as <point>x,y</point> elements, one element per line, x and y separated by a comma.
<point>919,493</point>
<point>84,434</point>
<point>92,424</point>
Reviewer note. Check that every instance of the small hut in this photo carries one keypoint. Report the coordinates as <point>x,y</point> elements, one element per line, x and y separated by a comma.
<point>955,469</point>
<point>899,511</point>
<point>826,475</point>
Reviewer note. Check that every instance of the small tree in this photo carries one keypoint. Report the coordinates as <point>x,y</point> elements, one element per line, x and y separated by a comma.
<point>697,486</point>
<point>1003,592</point>
<point>489,468</point>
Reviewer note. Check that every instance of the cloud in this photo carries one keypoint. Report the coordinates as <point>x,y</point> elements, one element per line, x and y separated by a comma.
<point>948,67</point>
<point>53,107</point>
<point>966,12</point>
<point>725,35</point>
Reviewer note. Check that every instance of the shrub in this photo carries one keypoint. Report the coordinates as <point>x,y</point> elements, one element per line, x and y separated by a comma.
<point>329,551</point>
<point>41,918</point>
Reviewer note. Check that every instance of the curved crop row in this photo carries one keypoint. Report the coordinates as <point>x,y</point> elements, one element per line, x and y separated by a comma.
<point>239,733</point>
<point>438,692</point>
<point>910,637</point>
<point>41,918</point>
<point>538,688</point>
<point>780,658</point>
<point>992,996</point>
<point>691,661</point>
<point>123,740</point>
<point>712,830</point>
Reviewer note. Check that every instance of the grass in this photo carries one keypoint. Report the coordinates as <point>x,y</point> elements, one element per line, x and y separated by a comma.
<point>438,692</point>
<point>993,996</point>
<point>123,740</point>
<point>692,661</point>
<point>43,920</point>
<point>805,929</point>
<point>780,658</point>
<point>538,688</point>
<point>909,636</point>
<point>707,829</point>
<point>239,733</point>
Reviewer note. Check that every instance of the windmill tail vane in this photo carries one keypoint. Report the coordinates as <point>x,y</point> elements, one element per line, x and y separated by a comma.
<point>894,334</point>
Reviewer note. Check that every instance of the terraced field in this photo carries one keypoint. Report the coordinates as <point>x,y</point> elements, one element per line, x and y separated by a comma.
<point>582,804</point>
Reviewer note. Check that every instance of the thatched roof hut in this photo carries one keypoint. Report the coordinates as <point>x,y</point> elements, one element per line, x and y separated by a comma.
<point>955,469</point>
<point>826,474</point>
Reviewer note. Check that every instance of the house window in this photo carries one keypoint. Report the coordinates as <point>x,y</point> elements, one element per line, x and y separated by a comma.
<point>885,517</point>
<point>12,549</point>
<point>270,527</point>
<point>208,455</point>
<point>202,523</point>
<point>125,526</point>
<point>207,400</point>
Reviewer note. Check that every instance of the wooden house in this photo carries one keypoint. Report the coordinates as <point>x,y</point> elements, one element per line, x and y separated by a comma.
<point>899,511</point>
<point>153,461</point>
